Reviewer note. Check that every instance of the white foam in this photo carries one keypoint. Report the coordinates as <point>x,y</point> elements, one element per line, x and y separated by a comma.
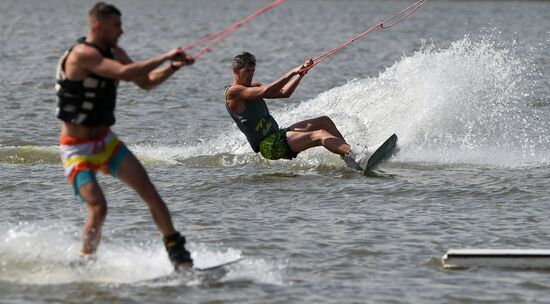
<point>467,103</point>
<point>46,253</point>
<point>258,270</point>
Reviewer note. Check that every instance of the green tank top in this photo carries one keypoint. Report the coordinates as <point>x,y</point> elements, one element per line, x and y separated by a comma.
<point>255,121</point>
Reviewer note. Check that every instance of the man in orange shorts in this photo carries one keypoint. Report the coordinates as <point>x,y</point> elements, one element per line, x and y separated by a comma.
<point>87,79</point>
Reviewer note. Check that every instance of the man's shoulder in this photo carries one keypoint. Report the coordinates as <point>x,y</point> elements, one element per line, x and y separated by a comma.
<point>240,87</point>
<point>234,88</point>
<point>84,51</point>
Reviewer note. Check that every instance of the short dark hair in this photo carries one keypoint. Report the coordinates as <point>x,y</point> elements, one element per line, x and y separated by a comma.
<point>244,59</point>
<point>101,11</point>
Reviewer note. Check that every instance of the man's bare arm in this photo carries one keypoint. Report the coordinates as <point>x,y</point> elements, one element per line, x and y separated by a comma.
<point>289,88</point>
<point>157,76</point>
<point>90,59</point>
<point>239,92</point>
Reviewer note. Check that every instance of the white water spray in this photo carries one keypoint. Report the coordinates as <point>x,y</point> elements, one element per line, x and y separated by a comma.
<point>468,103</point>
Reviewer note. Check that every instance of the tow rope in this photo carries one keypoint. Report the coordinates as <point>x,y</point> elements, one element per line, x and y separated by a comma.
<point>386,24</point>
<point>220,35</point>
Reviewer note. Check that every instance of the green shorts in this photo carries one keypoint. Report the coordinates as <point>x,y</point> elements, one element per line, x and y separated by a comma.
<point>275,146</point>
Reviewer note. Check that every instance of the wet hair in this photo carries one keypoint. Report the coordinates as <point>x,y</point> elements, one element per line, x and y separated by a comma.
<point>244,59</point>
<point>101,11</point>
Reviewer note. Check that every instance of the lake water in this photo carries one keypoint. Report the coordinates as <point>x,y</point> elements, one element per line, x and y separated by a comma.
<point>464,84</point>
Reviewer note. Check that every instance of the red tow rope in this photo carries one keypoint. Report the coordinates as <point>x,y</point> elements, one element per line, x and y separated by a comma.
<point>220,35</point>
<point>386,24</point>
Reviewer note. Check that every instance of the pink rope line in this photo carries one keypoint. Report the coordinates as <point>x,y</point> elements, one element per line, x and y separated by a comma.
<point>393,20</point>
<point>220,35</point>
<point>402,14</point>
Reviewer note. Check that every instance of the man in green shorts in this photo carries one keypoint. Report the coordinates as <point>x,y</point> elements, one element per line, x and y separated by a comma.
<point>244,100</point>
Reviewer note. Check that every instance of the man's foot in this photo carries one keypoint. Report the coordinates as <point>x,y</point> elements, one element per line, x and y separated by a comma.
<point>349,159</point>
<point>184,266</point>
<point>178,255</point>
<point>84,260</point>
<point>87,256</point>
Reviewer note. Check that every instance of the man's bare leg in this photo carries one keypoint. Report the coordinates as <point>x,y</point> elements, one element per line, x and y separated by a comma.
<point>97,211</point>
<point>133,173</point>
<point>320,131</point>
<point>300,141</point>
<point>319,123</point>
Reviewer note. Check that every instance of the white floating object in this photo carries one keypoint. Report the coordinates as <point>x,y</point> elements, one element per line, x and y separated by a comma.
<point>497,258</point>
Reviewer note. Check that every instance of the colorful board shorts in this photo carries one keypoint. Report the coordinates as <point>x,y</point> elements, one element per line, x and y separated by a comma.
<point>275,146</point>
<point>82,157</point>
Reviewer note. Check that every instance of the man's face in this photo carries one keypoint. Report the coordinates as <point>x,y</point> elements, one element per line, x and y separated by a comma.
<point>111,30</point>
<point>245,74</point>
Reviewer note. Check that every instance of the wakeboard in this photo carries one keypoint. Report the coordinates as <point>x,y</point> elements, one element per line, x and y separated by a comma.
<point>381,154</point>
<point>205,273</point>
<point>216,266</point>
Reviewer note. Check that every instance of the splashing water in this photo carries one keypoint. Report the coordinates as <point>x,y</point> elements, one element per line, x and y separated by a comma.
<point>44,253</point>
<point>468,103</point>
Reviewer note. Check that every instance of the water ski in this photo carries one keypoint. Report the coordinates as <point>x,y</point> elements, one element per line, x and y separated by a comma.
<point>216,266</point>
<point>381,154</point>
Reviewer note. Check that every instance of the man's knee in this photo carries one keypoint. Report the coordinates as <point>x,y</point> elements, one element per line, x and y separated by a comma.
<point>144,185</point>
<point>99,210</point>
<point>325,121</point>
<point>147,190</point>
<point>92,195</point>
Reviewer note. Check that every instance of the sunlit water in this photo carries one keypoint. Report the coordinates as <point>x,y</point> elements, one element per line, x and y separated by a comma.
<point>463,84</point>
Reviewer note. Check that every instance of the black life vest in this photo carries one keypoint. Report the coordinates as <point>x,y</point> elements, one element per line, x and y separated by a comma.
<point>89,102</point>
